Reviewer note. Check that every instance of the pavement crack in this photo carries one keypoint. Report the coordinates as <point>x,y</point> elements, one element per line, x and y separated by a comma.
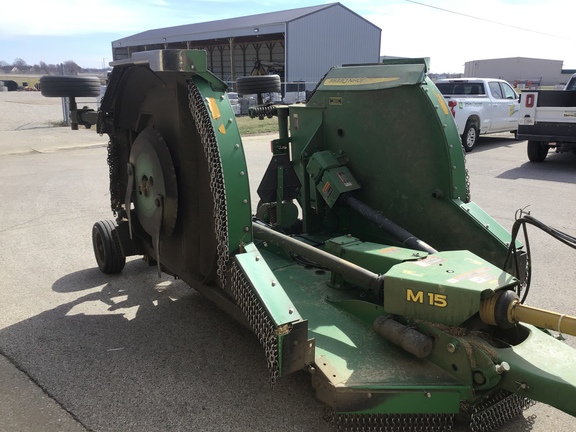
<point>15,364</point>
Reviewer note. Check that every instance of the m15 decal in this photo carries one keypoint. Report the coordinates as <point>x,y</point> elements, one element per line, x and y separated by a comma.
<point>429,298</point>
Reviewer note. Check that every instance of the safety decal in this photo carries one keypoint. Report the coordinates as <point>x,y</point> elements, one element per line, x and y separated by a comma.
<point>213,107</point>
<point>327,189</point>
<point>431,260</point>
<point>442,102</point>
<point>480,275</point>
<point>342,176</point>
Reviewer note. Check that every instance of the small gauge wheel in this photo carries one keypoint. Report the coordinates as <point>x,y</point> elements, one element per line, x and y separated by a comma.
<point>107,248</point>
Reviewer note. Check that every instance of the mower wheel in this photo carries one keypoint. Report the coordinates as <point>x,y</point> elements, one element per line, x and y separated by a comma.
<point>258,84</point>
<point>470,136</point>
<point>107,249</point>
<point>537,151</point>
<point>69,86</point>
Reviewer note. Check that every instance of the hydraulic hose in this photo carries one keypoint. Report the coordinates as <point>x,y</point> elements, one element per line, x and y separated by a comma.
<point>396,231</point>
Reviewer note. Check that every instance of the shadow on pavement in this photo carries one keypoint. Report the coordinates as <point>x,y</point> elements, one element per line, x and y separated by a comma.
<point>557,167</point>
<point>492,142</point>
<point>135,352</point>
<point>139,353</point>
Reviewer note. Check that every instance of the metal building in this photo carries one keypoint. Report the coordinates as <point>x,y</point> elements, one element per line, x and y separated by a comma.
<point>523,71</point>
<point>298,44</point>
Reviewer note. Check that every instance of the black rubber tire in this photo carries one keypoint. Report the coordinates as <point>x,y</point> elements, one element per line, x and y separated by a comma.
<point>537,151</point>
<point>258,84</point>
<point>11,85</point>
<point>107,247</point>
<point>470,136</point>
<point>69,86</point>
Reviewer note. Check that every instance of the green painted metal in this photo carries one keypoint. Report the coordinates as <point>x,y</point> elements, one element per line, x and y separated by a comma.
<point>462,354</point>
<point>356,358</point>
<point>467,357</point>
<point>541,368</point>
<point>403,149</point>
<point>266,286</point>
<point>444,288</point>
<point>233,161</point>
<point>487,222</point>
<point>406,400</point>
<point>375,257</point>
<point>333,179</point>
<point>388,128</point>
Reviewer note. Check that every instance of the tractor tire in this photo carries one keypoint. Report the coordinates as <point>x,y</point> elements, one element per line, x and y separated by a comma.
<point>258,84</point>
<point>69,86</point>
<point>107,248</point>
<point>470,136</point>
<point>537,151</point>
<point>11,85</point>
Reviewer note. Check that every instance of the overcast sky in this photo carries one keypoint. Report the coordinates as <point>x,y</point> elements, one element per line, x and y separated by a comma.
<point>450,32</point>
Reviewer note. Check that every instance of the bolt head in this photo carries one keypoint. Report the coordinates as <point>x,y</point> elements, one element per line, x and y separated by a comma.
<point>502,367</point>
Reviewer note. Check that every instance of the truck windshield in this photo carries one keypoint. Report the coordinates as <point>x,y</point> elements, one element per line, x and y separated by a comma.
<point>461,88</point>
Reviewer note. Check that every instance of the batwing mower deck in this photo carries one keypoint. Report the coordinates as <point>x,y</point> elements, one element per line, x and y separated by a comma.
<point>366,264</point>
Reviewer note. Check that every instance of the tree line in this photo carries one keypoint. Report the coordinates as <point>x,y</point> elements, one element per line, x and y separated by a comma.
<point>19,65</point>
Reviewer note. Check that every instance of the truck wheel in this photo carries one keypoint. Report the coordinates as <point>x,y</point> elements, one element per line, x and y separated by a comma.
<point>470,136</point>
<point>107,249</point>
<point>69,86</point>
<point>537,151</point>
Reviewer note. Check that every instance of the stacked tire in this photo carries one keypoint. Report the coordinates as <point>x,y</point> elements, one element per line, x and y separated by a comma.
<point>69,86</point>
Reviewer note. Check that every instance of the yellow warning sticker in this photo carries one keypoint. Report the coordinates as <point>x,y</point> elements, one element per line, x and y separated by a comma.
<point>442,102</point>
<point>213,106</point>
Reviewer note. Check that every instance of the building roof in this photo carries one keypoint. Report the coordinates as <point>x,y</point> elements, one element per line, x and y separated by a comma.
<point>243,26</point>
<point>514,58</point>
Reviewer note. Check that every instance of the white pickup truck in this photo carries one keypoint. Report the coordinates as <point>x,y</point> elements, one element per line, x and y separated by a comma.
<point>480,106</point>
<point>548,120</point>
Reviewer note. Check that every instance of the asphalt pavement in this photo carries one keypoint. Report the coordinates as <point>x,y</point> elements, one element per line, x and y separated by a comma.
<point>24,405</point>
<point>134,352</point>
